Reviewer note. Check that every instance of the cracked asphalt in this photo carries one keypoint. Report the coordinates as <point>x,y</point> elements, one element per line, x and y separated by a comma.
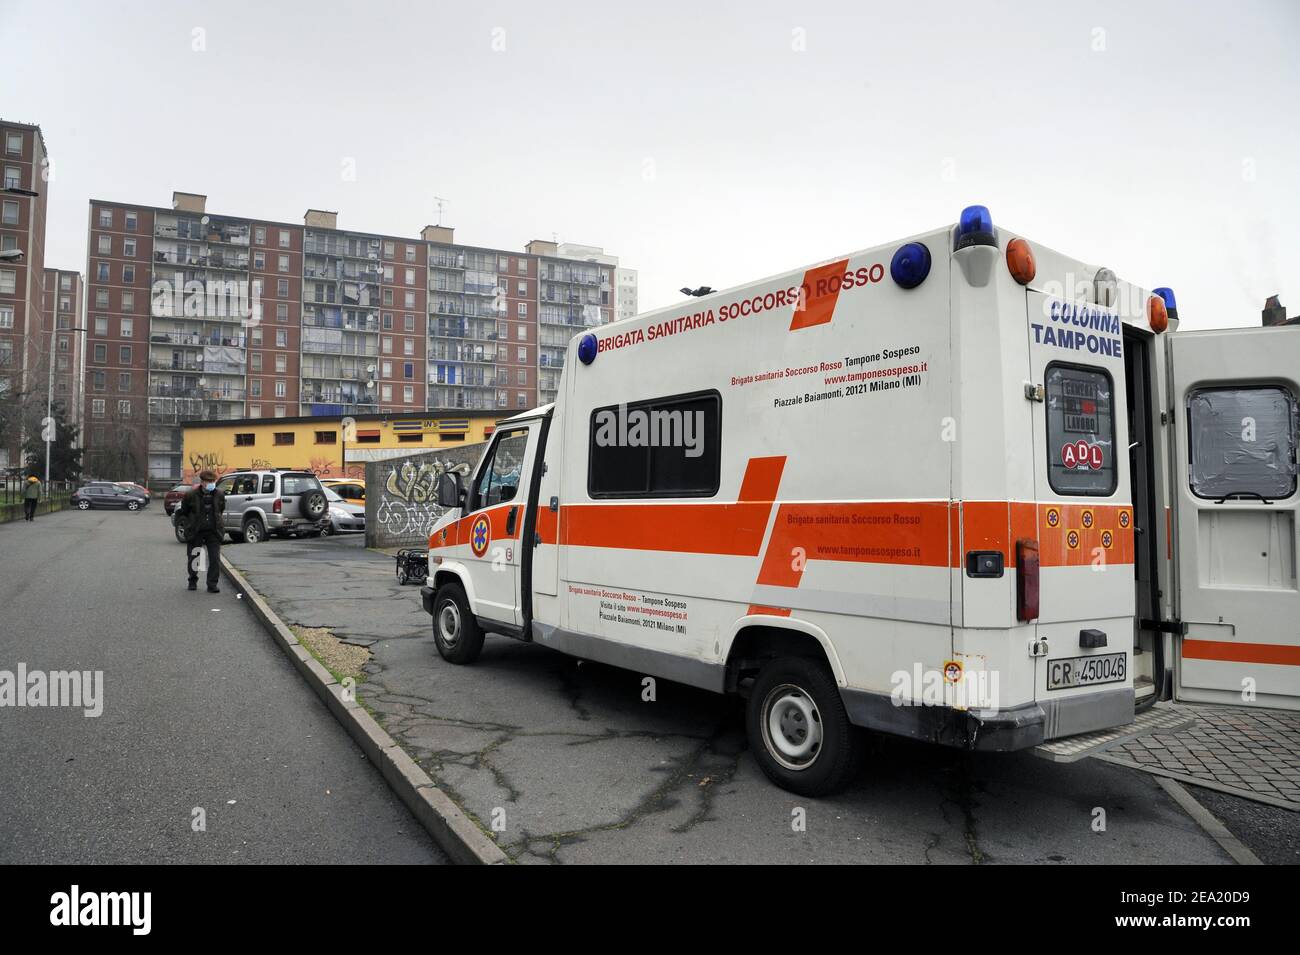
<point>200,710</point>
<point>563,762</point>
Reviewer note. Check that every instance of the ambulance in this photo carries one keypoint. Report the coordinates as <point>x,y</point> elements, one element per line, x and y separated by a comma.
<point>960,488</point>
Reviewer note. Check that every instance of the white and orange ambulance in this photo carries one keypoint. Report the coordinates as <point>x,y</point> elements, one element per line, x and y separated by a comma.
<point>960,488</point>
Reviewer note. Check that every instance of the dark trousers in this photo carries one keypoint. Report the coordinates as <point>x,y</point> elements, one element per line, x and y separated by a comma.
<point>29,509</point>
<point>194,550</point>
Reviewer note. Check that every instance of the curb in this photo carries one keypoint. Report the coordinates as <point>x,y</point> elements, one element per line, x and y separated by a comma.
<point>1206,820</point>
<point>450,828</point>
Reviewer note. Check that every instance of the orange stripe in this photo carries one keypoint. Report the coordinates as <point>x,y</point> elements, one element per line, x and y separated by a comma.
<point>757,609</point>
<point>1241,652</point>
<point>819,296</point>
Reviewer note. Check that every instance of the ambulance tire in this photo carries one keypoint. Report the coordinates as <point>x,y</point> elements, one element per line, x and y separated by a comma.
<point>798,730</point>
<point>455,628</point>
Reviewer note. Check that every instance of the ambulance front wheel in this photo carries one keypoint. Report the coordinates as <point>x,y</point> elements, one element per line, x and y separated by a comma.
<point>455,629</point>
<point>798,730</point>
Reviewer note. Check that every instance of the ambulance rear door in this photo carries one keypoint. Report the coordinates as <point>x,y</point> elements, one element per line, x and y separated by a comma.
<point>1085,515</point>
<point>1234,400</point>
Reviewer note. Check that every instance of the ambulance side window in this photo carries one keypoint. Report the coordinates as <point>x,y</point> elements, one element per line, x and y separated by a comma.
<point>1242,441</point>
<point>498,482</point>
<point>663,447</point>
<point>1080,407</point>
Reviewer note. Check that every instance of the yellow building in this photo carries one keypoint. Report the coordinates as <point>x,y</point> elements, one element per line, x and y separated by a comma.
<point>320,444</point>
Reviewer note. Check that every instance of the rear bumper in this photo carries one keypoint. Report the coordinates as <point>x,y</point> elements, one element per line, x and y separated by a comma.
<point>1017,727</point>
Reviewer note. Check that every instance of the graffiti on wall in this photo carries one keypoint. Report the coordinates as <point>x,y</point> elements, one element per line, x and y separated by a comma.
<point>408,506</point>
<point>210,459</point>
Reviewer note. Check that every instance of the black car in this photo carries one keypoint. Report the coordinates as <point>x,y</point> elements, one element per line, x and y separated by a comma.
<point>108,495</point>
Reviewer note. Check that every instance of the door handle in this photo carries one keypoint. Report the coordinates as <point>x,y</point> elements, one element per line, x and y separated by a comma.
<point>510,522</point>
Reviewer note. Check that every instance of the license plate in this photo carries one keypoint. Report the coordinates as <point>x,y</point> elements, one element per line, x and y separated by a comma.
<point>1069,672</point>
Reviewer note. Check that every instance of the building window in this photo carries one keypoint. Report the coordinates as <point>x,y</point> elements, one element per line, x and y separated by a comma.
<point>410,438</point>
<point>6,317</point>
<point>522,376</point>
<point>283,437</point>
<point>255,387</point>
<point>521,400</point>
<point>282,263</point>
<point>255,411</point>
<point>281,312</point>
<point>281,364</point>
<point>408,346</point>
<point>65,282</point>
<point>410,276</point>
<point>101,354</point>
<point>410,253</point>
<point>284,238</point>
<point>124,381</point>
<point>521,332</point>
<point>259,235</point>
<point>255,361</point>
<point>279,411</point>
<point>10,216</point>
<point>128,301</point>
<point>106,218</point>
<point>408,369</point>
<point>259,260</point>
<point>130,222</point>
<point>13,177</point>
<point>124,355</point>
<point>101,298</point>
<point>522,356</point>
<point>128,248</point>
<point>409,323</point>
<point>521,266</point>
<point>281,288</point>
<point>408,394</point>
<point>281,338</point>
<point>409,299</point>
<point>101,271</point>
<point>386,393</point>
<point>8,281</point>
<point>281,389</point>
<point>327,437</point>
<point>521,309</point>
<point>105,245</point>
<point>386,344</point>
<point>128,328</point>
<point>386,369</point>
<point>97,407</point>
<point>98,380</point>
<point>101,325</point>
<point>124,406</point>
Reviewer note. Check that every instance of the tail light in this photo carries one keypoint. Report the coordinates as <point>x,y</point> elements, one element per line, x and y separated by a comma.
<point>1026,580</point>
<point>277,506</point>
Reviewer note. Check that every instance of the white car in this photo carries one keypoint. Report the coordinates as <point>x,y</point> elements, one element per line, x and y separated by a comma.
<point>345,517</point>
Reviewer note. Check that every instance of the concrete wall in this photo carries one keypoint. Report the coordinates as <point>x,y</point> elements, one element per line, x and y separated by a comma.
<point>402,493</point>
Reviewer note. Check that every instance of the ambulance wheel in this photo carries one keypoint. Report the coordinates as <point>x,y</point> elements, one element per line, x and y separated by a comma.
<point>798,730</point>
<point>455,629</point>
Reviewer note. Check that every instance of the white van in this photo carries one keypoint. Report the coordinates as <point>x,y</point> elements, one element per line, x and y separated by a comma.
<point>960,488</point>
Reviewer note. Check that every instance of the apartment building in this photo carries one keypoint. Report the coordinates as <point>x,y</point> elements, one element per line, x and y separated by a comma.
<point>193,315</point>
<point>64,323</point>
<point>23,356</point>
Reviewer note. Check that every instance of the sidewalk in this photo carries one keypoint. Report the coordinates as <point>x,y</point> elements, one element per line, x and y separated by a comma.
<point>1245,752</point>
<point>562,760</point>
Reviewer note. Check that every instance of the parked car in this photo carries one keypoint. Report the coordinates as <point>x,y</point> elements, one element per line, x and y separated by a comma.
<point>350,489</point>
<point>132,486</point>
<point>346,517</point>
<point>172,499</point>
<point>107,495</point>
<point>283,503</point>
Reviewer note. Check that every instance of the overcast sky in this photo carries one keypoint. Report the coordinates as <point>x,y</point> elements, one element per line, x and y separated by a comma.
<point>700,142</point>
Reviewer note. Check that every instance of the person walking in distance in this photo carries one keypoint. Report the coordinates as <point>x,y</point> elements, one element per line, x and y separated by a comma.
<point>199,515</point>
<point>31,495</point>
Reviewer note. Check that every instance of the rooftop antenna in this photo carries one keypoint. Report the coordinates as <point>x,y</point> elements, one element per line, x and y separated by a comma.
<point>441,204</point>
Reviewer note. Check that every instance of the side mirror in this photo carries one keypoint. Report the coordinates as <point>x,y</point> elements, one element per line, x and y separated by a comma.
<point>450,493</point>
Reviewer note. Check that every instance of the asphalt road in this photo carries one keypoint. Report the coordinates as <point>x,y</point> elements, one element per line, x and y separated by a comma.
<point>200,712</point>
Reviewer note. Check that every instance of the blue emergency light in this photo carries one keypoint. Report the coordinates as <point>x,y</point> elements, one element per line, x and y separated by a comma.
<point>910,265</point>
<point>587,349</point>
<point>975,227</point>
<point>1168,295</point>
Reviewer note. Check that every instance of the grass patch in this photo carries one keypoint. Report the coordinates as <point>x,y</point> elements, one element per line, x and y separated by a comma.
<point>343,660</point>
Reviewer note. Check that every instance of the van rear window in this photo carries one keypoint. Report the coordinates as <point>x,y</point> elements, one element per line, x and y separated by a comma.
<point>1242,441</point>
<point>1080,430</point>
<point>663,447</point>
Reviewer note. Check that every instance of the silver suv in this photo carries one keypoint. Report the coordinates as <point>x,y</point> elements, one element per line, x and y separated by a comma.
<point>279,502</point>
